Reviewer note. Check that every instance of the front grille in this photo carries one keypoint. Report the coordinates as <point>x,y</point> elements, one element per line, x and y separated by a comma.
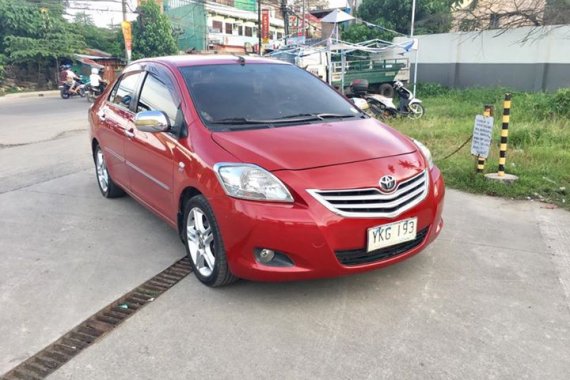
<point>371,202</point>
<point>360,256</point>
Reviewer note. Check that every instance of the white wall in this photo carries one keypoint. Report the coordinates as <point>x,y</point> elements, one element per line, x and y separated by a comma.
<point>526,58</point>
<point>549,44</point>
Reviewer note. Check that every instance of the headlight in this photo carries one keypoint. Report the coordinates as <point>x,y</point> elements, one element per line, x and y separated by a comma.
<point>425,151</point>
<point>248,181</point>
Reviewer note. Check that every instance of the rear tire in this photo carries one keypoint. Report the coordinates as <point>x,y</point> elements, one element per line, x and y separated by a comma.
<point>378,110</point>
<point>64,94</point>
<point>108,188</point>
<point>204,244</point>
<point>386,89</point>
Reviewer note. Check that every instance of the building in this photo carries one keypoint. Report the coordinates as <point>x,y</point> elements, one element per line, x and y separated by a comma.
<point>95,58</point>
<point>224,25</point>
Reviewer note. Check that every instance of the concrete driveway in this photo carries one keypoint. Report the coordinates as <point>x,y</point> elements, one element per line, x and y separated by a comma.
<point>489,299</point>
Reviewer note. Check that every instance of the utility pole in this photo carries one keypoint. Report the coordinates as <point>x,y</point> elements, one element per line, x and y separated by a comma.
<point>259,27</point>
<point>285,18</point>
<point>413,18</point>
<point>303,23</point>
<point>417,47</point>
<point>124,4</point>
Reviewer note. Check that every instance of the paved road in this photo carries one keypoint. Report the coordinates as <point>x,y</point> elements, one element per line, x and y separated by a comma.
<point>490,299</point>
<point>40,139</point>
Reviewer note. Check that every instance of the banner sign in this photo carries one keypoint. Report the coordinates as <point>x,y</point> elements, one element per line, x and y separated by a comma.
<point>127,35</point>
<point>482,133</point>
<point>265,25</point>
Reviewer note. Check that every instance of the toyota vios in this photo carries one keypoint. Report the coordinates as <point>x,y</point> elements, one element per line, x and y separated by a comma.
<point>266,172</point>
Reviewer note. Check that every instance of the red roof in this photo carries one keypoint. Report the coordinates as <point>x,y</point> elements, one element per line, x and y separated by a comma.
<point>90,62</point>
<point>98,53</point>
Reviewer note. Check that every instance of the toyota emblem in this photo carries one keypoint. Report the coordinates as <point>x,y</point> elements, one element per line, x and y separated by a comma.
<point>387,184</point>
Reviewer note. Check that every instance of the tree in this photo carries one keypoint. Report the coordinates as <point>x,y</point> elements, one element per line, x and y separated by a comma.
<point>152,32</point>
<point>97,38</point>
<point>360,32</point>
<point>477,15</point>
<point>432,16</point>
<point>557,12</point>
<point>34,33</point>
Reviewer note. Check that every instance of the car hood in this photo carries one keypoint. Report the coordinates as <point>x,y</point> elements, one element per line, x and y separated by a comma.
<point>314,145</point>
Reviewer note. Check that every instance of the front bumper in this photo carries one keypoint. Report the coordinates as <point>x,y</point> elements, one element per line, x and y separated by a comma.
<point>314,238</point>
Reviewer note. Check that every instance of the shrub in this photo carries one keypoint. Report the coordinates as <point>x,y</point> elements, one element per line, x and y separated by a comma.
<point>562,102</point>
<point>2,70</point>
<point>432,89</point>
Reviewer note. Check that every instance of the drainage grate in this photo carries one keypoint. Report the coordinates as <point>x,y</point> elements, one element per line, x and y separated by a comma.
<point>93,328</point>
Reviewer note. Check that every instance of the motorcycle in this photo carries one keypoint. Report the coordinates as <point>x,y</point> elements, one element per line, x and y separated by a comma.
<point>66,94</point>
<point>384,107</point>
<point>93,92</point>
<point>360,96</point>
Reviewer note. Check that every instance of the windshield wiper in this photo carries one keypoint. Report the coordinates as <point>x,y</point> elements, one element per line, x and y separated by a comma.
<point>238,121</point>
<point>300,117</point>
<point>315,116</point>
<point>285,119</point>
<point>335,116</point>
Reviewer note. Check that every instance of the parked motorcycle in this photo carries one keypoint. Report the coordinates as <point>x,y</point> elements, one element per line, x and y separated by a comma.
<point>384,107</point>
<point>362,98</point>
<point>66,94</point>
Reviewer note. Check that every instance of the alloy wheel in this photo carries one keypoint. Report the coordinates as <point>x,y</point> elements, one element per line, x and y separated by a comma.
<point>102,173</point>
<point>416,111</point>
<point>200,242</point>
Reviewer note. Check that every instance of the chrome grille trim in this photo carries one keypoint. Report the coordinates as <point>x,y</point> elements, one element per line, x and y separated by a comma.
<point>371,202</point>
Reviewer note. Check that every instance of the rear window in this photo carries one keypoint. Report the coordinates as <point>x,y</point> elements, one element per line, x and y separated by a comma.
<point>261,92</point>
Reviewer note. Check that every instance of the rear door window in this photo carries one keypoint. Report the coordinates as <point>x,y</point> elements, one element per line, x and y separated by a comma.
<point>125,90</point>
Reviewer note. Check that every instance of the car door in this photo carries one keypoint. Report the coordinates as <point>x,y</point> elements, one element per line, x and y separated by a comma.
<point>116,118</point>
<point>150,162</point>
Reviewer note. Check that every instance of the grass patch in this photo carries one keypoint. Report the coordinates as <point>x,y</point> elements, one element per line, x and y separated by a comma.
<point>539,140</point>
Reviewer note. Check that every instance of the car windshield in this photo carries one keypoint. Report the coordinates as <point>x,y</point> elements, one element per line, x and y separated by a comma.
<point>262,95</point>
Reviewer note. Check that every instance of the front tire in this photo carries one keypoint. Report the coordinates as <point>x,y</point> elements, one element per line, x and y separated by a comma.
<point>417,110</point>
<point>204,244</point>
<point>108,188</point>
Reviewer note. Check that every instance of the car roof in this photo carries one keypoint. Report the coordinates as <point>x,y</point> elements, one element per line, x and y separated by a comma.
<point>209,59</point>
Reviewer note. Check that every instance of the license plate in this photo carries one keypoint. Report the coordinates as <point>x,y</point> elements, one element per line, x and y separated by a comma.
<point>391,234</point>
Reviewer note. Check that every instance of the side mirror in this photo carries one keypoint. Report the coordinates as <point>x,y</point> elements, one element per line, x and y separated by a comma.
<point>152,121</point>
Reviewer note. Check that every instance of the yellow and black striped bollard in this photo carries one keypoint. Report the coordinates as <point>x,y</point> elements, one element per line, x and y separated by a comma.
<point>504,135</point>
<point>481,160</point>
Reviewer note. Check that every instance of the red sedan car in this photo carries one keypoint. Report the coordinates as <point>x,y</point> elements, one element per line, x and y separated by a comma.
<point>266,172</point>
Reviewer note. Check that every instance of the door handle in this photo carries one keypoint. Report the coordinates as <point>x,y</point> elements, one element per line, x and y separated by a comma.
<point>130,133</point>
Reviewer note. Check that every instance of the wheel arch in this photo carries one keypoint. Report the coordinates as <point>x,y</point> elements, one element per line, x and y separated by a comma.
<point>185,196</point>
<point>94,144</point>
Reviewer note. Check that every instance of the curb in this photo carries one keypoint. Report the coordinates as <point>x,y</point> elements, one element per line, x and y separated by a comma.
<point>33,94</point>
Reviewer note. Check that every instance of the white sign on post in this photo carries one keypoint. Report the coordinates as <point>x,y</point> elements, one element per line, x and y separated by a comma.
<point>482,132</point>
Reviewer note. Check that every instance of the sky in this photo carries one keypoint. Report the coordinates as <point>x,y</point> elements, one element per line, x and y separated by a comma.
<point>103,12</point>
